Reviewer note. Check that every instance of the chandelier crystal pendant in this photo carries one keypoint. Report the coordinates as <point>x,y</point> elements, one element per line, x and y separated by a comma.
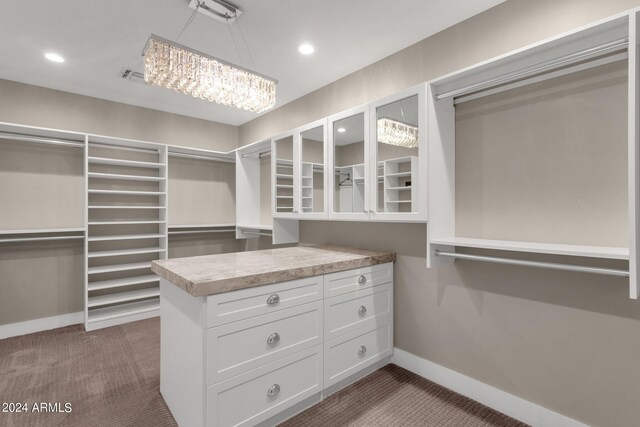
<point>173,66</point>
<point>393,132</point>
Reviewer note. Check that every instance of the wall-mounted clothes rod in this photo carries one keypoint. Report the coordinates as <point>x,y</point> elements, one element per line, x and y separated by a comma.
<point>539,264</point>
<point>123,148</point>
<point>537,69</point>
<point>201,157</point>
<point>259,155</point>
<point>255,233</point>
<point>39,139</point>
<point>39,239</point>
<point>231,230</point>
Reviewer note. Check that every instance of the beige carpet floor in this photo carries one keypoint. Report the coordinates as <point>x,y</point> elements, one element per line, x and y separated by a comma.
<point>111,378</point>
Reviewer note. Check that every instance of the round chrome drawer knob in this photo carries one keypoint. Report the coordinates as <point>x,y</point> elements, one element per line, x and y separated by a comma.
<point>273,390</point>
<point>362,279</point>
<point>273,299</point>
<point>362,350</point>
<point>362,310</point>
<point>274,338</point>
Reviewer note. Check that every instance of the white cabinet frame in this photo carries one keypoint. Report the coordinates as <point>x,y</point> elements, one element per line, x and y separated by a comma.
<point>297,178</point>
<point>350,216</point>
<point>419,214</point>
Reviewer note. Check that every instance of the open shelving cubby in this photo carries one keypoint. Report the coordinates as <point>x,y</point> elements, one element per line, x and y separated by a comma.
<point>610,45</point>
<point>126,220</point>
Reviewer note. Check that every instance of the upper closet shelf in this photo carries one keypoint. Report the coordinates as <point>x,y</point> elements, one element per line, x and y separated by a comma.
<point>200,154</point>
<point>41,235</point>
<point>540,248</point>
<point>40,135</point>
<point>129,163</point>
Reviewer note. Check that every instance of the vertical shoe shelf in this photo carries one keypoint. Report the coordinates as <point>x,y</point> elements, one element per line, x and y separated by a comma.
<point>284,186</point>
<point>126,222</point>
<point>400,184</point>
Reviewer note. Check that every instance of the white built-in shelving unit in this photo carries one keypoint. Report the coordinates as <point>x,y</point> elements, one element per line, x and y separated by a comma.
<point>126,220</point>
<point>605,42</point>
<point>252,193</point>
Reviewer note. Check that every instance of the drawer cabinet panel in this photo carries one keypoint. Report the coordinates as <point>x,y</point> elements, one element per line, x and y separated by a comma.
<point>354,351</point>
<point>343,282</point>
<point>246,303</point>
<point>367,308</point>
<point>240,346</point>
<point>255,396</point>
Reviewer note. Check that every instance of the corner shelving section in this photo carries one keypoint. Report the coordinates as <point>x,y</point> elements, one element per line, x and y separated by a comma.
<point>126,220</point>
<point>607,41</point>
<point>400,184</point>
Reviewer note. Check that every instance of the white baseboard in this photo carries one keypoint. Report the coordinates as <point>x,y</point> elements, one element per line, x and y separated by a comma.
<point>515,407</point>
<point>43,324</point>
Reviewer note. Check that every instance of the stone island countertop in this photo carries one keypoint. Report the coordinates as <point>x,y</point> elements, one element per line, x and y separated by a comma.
<point>213,274</point>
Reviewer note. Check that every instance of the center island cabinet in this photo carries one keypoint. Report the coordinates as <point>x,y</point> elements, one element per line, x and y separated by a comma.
<point>252,338</point>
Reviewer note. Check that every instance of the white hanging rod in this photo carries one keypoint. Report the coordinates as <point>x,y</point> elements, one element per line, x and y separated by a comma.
<point>201,157</point>
<point>39,139</point>
<point>540,264</point>
<point>42,231</point>
<point>260,155</point>
<point>125,148</point>
<point>539,68</point>
<point>255,233</point>
<point>39,239</point>
<point>231,230</point>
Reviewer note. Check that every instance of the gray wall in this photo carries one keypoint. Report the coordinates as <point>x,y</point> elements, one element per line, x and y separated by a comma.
<point>42,186</point>
<point>39,106</point>
<point>569,342</point>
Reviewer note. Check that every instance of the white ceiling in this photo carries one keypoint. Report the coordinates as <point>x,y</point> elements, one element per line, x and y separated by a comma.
<point>100,37</point>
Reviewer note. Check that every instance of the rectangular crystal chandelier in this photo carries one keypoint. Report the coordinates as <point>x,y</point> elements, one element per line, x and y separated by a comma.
<point>397,133</point>
<point>173,66</point>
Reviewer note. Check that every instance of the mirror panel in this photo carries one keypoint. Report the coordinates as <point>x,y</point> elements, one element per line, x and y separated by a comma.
<point>349,173</point>
<point>283,174</point>
<point>312,170</point>
<point>397,155</point>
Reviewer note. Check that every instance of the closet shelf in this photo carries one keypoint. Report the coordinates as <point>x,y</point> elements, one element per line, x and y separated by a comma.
<point>128,193</point>
<point>121,252</point>
<point>125,237</point>
<point>123,310</point>
<point>134,295</point>
<point>125,177</point>
<point>119,267</point>
<point>256,227</point>
<point>126,207</point>
<point>43,231</point>
<point>399,188</point>
<point>120,162</point>
<point>183,226</point>
<point>125,222</point>
<point>397,175</point>
<point>39,239</point>
<point>118,283</point>
<point>540,248</point>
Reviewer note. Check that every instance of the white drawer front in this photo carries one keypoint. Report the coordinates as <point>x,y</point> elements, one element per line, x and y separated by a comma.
<point>255,396</point>
<point>344,282</point>
<point>349,353</point>
<point>366,308</point>
<point>240,346</point>
<point>245,303</point>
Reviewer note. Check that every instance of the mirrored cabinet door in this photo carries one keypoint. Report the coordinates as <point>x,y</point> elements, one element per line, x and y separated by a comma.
<point>398,153</point>
<point>283,176</point>
<point>312,179</point>
<point>349,132</point>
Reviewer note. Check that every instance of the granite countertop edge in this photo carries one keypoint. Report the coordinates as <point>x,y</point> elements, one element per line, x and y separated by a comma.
<point>218,286</point>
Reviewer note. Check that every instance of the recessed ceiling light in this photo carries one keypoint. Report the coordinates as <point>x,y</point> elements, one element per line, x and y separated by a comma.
<point>342,130</point>
<point>53,57</point>
<point>306,49</point>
